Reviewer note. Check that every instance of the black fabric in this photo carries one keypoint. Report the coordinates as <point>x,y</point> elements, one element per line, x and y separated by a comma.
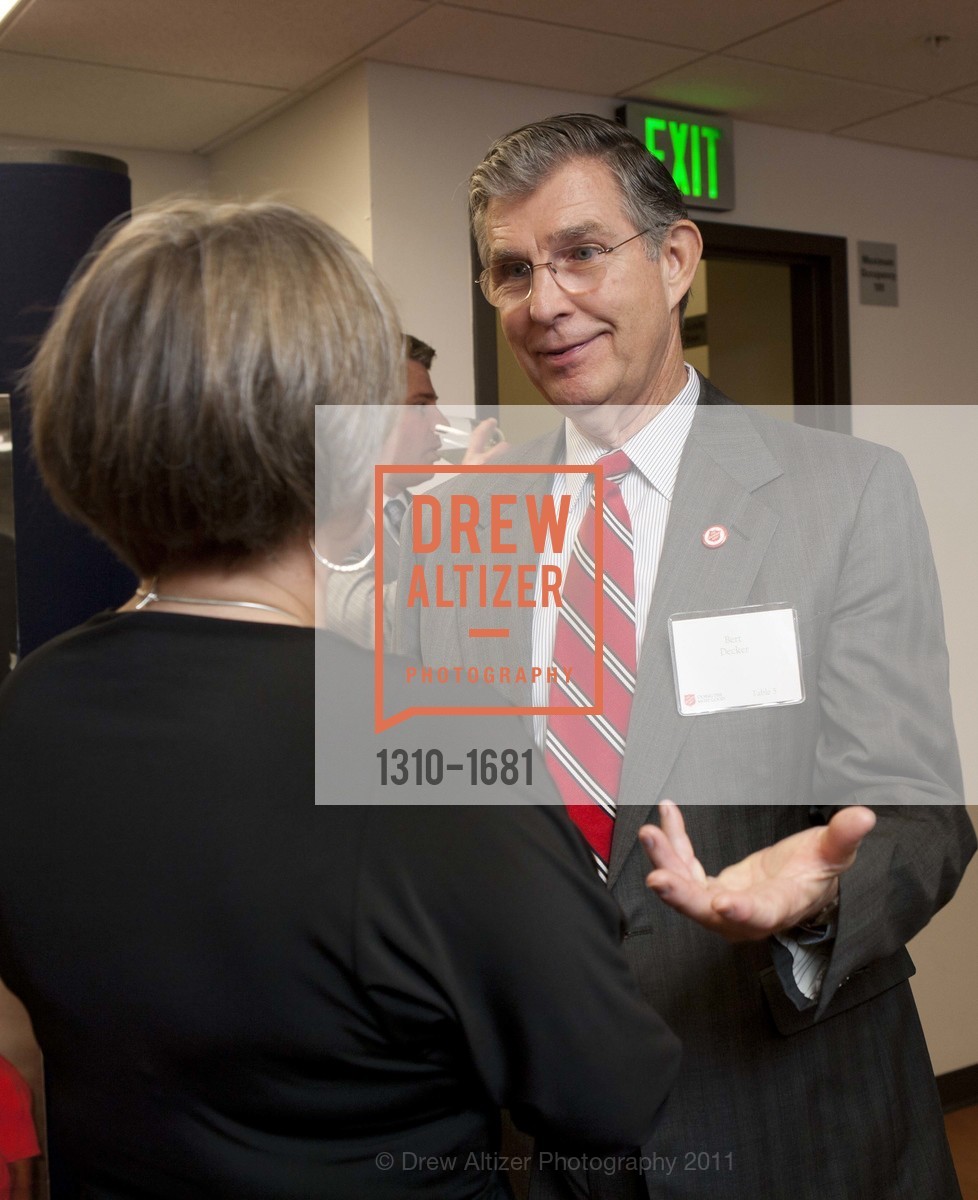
<point>239,993</point>
<point>8,605</point>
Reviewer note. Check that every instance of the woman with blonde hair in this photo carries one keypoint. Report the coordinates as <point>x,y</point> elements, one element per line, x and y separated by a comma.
<point>238,991</point>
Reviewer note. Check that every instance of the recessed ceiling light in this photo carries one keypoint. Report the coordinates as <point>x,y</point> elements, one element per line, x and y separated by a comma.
<point>8,6</point>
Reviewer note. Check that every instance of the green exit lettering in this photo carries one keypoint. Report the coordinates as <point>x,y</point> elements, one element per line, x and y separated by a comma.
<point>693,150</point>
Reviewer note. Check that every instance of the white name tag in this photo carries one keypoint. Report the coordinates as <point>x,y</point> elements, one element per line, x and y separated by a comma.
<point>740,658</point>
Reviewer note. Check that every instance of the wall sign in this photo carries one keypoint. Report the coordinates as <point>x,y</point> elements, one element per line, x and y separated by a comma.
<point>696,147</point>
<point>695,332</point>
<point>877,273</point>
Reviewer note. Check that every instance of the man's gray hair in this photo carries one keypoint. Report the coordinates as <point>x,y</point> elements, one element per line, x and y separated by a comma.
<point>518,163</point>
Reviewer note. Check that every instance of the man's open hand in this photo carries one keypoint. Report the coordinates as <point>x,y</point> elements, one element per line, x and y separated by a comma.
<point>771,890</point>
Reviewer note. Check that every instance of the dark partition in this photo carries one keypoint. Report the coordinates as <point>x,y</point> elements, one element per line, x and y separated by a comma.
<point>51,209</point>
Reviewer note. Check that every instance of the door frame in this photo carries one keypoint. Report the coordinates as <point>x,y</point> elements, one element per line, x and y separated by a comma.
<point>819,311</point>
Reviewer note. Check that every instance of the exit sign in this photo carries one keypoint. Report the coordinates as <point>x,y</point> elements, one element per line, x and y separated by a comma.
<point>697,149</point>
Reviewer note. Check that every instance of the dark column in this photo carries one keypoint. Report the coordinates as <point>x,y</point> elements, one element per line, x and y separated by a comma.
<point>51,209</point>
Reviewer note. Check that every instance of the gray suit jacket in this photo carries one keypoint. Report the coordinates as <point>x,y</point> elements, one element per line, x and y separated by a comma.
<point>836,1100</point>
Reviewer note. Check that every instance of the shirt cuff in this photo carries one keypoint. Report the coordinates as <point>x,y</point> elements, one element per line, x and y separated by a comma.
<point>801,959</point>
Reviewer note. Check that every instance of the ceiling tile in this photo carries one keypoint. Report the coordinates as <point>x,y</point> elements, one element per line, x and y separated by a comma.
<point>519,51</point>
<point>937,125</point>
<point>183,74</point>
<point>74,102</point>
<point>772,95</point>
<point>879,41</point>
<point>282,44</point>
<point>704,24</point>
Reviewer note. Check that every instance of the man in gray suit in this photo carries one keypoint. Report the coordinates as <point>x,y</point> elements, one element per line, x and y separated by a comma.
<point>819,836</point>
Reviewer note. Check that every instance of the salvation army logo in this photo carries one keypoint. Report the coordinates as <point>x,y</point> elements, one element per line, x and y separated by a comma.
<point>715,536</point>
<point>689,699</point>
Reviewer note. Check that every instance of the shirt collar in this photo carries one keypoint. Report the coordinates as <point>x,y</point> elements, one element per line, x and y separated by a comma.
<point>655,449</point>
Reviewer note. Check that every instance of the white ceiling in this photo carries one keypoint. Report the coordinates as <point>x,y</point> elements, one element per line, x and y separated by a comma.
<point>188,75</point>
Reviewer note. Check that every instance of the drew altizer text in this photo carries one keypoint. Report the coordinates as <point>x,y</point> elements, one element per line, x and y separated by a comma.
<point>609,1165</point>
<point>486,674</point>
<point>490,586</point>
<point>485,585</point>
<point>478,552</point>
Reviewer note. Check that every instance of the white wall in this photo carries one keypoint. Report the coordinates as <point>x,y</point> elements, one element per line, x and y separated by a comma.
<point>315,155</point>
<point>154,173</point>
<point>924,351</point>
<point>427,130</point>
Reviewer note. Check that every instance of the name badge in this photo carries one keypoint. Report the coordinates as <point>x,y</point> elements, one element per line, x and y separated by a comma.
<point>737,658</point>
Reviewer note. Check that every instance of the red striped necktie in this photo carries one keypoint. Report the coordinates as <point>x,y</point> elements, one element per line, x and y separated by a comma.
<point>585,753</point>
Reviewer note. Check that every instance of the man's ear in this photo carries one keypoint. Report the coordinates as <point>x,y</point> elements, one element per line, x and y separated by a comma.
<point>679,256</point>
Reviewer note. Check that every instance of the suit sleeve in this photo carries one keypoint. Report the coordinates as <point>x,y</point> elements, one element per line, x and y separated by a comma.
<point>405,621</point>
<point>350,606</point>
<point>887,738</point>
<point>487,937</point>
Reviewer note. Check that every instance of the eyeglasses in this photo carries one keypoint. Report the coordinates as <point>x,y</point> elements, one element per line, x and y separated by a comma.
<point>577,269</point>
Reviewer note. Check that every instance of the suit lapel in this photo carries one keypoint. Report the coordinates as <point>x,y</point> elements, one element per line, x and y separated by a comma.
<point>725,461</point>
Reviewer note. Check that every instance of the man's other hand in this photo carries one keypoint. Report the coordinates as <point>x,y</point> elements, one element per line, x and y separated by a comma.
<point>481,450</point>
<point>768,892</point>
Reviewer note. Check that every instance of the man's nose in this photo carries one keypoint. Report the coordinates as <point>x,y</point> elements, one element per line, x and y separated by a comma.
<point>547,299</point>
